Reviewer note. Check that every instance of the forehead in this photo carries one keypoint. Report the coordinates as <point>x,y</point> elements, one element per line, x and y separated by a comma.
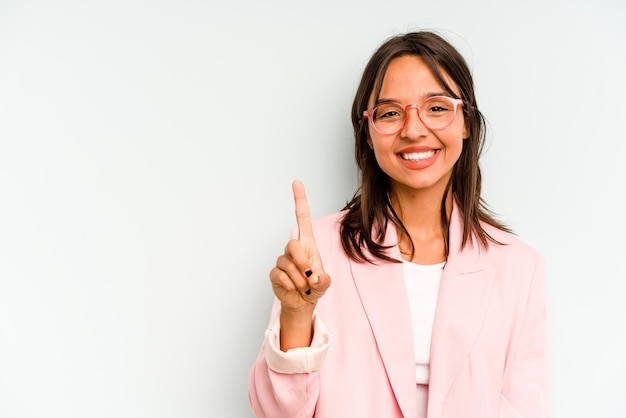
<point>410,77</point>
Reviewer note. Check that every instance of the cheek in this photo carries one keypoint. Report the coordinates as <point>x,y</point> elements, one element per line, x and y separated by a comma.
<point>380,147</point>
<point>381,154</point>
<point>453,147</point>
<point>456,137</point>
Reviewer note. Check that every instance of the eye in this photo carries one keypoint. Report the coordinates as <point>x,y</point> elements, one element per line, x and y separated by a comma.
<point>438,107</point>
<point>388,112</point>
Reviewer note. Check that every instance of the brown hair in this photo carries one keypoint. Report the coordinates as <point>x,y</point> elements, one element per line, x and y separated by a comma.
<point>370,210</point>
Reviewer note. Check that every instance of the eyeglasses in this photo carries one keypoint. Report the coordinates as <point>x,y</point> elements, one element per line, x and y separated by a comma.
<point>436,113</point>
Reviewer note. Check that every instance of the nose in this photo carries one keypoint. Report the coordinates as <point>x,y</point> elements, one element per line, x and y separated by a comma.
<point>413,128</point>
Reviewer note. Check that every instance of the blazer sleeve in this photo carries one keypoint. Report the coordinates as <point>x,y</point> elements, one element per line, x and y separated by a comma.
<point>286,384</point>
<point>525,390</point>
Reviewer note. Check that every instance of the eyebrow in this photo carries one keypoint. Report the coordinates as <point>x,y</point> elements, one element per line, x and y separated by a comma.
<point>426,96</point>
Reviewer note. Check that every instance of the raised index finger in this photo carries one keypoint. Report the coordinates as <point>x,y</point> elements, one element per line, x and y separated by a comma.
<point>303,213</point>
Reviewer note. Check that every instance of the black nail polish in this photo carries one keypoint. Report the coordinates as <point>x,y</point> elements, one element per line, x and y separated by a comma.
<point>308,292</point>
<point>308,273</point>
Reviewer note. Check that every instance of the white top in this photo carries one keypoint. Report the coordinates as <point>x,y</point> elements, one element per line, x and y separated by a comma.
<point>422,284</point>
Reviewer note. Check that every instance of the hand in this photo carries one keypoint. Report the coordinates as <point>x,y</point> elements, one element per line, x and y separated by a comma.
<point>299,279</point>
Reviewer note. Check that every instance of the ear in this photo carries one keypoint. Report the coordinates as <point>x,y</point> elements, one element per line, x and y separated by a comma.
<point>369,138</point>
<point>466,129</point>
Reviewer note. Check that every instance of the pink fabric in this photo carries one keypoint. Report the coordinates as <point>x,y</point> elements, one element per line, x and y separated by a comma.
<point>296,360</point>
<point>488,350</point>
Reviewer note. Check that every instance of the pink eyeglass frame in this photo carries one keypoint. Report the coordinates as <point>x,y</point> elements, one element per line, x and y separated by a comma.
<point>457,102</point>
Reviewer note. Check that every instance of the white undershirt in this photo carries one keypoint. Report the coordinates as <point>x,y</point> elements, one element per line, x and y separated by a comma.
<point>422,284</point>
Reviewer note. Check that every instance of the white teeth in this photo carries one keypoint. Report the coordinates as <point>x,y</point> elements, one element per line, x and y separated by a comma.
<point>416,156</point>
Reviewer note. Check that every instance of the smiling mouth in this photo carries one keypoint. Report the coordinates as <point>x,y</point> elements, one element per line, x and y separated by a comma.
<point>417,156</point>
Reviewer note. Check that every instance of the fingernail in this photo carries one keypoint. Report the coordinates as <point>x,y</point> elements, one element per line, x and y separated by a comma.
<point>308,273</point>
<point>308,292</point>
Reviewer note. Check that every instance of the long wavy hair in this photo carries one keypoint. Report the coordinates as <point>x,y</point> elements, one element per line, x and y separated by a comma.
<point>369,212</point>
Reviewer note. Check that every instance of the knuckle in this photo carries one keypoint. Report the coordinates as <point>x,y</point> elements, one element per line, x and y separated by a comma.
<point>283,280</point>
<point>286,283</point>
<point>293,271</point>
<point>275,274</point>
<point>292,246</point>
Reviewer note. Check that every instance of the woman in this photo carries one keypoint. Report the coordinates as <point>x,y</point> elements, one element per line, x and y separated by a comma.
<point>435,310</point>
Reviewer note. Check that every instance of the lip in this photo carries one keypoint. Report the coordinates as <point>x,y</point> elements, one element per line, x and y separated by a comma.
<point>418,164</point>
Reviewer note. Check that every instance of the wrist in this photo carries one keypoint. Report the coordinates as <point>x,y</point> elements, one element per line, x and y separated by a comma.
<point>305,311</point>
<point>296,328</point>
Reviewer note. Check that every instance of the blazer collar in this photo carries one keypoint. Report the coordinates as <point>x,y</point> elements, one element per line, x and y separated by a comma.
<point>469,259</point>
<point>383,295</point>
<point>463,298</point>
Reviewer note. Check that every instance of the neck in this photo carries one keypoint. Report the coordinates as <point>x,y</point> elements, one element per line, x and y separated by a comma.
<point>420,213</point>
<point>420,210</point>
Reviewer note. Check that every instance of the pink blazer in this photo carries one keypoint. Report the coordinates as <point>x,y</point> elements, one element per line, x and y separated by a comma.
<point>488,350</point>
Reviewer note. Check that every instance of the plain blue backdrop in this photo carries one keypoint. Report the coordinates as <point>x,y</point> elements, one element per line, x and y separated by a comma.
<point>146,154</point>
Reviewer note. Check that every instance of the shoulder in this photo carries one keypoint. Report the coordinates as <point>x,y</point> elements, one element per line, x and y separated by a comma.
<point>510,241</point>
<point>327,229</point>
<point>327,232</point>
<point>511,251</point>
<point>329,221</point>
<point>325,226</point>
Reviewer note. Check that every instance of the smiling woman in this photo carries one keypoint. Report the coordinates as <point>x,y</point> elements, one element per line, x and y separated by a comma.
<point>435,309</point>
<point>420,154</point>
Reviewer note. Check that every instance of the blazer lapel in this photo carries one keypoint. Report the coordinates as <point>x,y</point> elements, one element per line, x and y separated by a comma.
<point>383,295</point>
<point>464,294</point>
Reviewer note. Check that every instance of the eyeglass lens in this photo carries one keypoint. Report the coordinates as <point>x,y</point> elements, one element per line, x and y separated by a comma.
<point>435,113</point>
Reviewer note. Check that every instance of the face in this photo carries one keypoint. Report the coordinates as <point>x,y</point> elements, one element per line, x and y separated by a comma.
<point>416,158</point>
